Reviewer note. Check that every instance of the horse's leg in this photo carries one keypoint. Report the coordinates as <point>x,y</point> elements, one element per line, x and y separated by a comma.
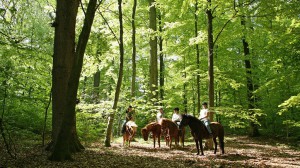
<point>182,137</point>
<point>158,140</point>
<point>215,143</point>
<point>221,141</point>
<point>201,146</point>
<point>154,140</point>
<point>197,145</point>
<point>123,139</point>
<point>170,142</point>
<point>176,141</point>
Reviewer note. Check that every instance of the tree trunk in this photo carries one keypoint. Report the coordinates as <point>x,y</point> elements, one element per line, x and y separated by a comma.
<point>96,86</point>
<point>133,50</point>
<point>161,62</point>
<point>65,57</point>
<point>253,127</point>
<point>210,65</point>
<point>119,83</point>
<point>153,53</point>
<point>210,55</point>
<point>64,53</point>
<point>184,87</point>
<point>198,58</point>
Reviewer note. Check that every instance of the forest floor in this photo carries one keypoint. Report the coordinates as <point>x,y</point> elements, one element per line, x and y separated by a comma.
<point>240,151</point>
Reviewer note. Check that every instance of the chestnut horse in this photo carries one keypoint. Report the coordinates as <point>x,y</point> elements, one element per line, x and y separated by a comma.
<point>170,129</point>
<point>131,128</point>
<point>200,132</point>
<point>155,128</point>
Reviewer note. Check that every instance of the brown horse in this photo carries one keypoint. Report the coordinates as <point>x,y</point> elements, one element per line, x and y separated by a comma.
<point>131,128</point>
<point>165,134</point>
<point>200,132</point>
<point>170,129</point>
<point>155,128</point>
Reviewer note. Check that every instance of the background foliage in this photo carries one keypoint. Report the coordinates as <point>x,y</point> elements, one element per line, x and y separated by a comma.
<point>272,31</point>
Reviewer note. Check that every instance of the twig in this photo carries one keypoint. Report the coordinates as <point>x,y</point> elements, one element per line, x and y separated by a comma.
<point>82,8</point>
<point>46,114</point>
<point>217,37</point>
<point>109,27</point>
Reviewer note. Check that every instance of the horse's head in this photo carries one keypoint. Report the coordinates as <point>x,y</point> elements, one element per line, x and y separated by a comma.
<point>145,134</point>
<point>184,121</point>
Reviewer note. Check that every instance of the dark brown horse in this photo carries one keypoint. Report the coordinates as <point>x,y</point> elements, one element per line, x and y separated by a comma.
<point>131,128</point>
<point>155,129</point>
<point>200,132</point>
<point>170,129</point>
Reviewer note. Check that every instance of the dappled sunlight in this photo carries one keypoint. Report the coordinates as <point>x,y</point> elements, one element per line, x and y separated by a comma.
<point>239,152</point>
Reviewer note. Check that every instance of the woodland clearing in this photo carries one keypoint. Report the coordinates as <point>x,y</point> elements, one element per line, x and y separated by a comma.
<point>240,151</point>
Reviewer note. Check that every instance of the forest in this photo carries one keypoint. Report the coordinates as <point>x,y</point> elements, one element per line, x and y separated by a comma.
<point>70,69</point>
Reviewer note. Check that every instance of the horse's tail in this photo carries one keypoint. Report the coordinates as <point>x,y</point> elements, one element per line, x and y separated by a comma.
<point>221,138</point>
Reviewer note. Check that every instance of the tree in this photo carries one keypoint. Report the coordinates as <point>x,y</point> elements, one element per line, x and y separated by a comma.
<point>197,57</point>
<point>250,86</point>
<point>120,77</point>
<point>67,66</point>
<point>161,60</point>
<point>210,42</point>
<point>133,78</point>
<point>153,75</point>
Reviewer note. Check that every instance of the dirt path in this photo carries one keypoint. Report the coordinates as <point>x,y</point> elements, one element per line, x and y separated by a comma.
<point>239,152</point>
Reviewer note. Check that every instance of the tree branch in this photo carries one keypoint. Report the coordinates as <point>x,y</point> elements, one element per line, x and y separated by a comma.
<point>81,5</point>
<point>109,27</point>
<point>217,37</point>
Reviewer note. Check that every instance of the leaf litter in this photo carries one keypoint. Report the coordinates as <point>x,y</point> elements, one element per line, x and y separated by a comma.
<point>240,151</point>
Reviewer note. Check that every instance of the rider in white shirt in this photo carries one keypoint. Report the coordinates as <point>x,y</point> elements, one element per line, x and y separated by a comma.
<point>204,117</point>
<point>176,117</point>
<point>159,115</point>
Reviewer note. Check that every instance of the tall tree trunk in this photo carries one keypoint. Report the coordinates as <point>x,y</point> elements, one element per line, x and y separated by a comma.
<point>70,62</point>
<point>210,40</point>
<point>161,61</point>
<point>198,58</point>
<point>253,131</point>
<point>97,77</point>
<point>133,50</point>
<point>210,55</point>
<point>153,81</point>
<point>184,87</point>
<point>63,58</point>
<point>253,127</point>
<point>120,77</point>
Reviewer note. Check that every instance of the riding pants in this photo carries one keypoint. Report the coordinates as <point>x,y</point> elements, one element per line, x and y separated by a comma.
<point>207,124</point>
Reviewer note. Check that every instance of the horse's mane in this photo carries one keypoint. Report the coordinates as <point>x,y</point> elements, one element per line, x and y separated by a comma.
<point>192,118</point>
<point>189,116</point>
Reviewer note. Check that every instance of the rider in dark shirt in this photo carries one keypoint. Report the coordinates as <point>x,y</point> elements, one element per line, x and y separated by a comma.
<point>129,116</point>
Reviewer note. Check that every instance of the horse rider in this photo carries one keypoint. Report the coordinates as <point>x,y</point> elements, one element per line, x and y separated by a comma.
<point>176,116</point>
<point>204,117</point>
<point>159,115</point>
<point>129,116</point>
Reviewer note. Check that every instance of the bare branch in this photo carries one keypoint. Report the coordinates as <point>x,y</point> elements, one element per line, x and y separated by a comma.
<point>109,26</point>
<point>217,37</point>
<point>81,5</point>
